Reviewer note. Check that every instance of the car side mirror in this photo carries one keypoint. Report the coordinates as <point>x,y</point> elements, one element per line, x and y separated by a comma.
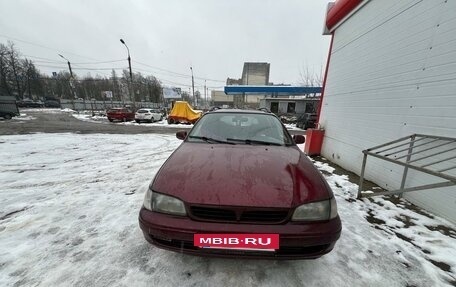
<point>299,139</point>
<point>181,135</point>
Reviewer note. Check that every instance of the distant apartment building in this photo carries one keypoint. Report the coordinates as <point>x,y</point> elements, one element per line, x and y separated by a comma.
<point>253,74</point>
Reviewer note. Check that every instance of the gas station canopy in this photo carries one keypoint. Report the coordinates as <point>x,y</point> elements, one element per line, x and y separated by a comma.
<point>276,90</point>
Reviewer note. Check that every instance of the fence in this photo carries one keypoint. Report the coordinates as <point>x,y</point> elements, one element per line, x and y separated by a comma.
<point>79,105</point>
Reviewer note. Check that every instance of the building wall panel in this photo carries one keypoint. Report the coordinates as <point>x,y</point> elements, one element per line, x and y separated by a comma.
<point>392,73</point>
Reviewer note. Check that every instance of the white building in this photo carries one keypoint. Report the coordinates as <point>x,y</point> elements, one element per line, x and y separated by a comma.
<point>391,73</point>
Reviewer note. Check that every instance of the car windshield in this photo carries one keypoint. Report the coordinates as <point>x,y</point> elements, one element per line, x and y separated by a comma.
<point>142,111</point>
<point>240,128</point>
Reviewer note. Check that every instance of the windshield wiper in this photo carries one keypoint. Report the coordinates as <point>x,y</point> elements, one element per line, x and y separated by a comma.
<point>250,141</point>
<point>210,140</point>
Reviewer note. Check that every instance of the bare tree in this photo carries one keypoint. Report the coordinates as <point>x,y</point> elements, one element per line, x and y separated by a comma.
<point>4,71</point>
<point>311,78</point>
<point>19,77</point>
<point>16,68</point>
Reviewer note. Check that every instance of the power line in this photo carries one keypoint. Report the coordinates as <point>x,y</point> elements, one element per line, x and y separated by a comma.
<point>101,62</point>
<point>63,67</point>
<point>46,59</point>
<point>98,61</point>
<point>42,61</point>
<point>103,73</point>
<point>174,82</point>
<point>82,68</point>
<point>180,74</point>
<point>45,47</point>
<point>76,63</point>
<point>78,67</point>
<point>154,72</point>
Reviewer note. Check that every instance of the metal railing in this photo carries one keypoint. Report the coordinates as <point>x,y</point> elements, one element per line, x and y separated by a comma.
<point>433,155</point>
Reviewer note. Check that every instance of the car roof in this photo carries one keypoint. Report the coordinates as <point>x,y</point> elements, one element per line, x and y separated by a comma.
<point>239,111</point>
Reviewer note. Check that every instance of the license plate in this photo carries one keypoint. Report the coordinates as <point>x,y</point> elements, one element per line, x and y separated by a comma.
<point>258,242</point>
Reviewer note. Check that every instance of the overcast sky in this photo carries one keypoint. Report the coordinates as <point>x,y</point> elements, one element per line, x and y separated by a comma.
<point>214,36</point>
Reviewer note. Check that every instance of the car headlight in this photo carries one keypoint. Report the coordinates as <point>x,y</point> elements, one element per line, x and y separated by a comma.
<point>163,203</point>
<point>315,211</point>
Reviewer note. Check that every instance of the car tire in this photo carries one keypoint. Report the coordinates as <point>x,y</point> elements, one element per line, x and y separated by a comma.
<point>138,121</point>
<point>161,118</point>
<point>110,120</point>
<point>171,121</point>
<point>7,117</point>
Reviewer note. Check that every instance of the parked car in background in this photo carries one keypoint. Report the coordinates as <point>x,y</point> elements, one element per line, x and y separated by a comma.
<point>8,107</point>
<point>27,103</point>
<point>238,186</point>
<point>306,121</point>
<point>148,115</point>
<point>52,103</point>
<point>120,114</point>
<point>288,118</point>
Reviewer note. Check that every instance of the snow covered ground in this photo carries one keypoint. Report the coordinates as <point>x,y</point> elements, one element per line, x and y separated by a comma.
<point>23,117</point>
<point>68,217</point>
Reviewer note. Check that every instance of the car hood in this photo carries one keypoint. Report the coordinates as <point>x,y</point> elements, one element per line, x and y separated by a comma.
<point>241,175</point>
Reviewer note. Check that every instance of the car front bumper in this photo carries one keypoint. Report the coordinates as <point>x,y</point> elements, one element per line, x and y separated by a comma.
<point>297,240</point>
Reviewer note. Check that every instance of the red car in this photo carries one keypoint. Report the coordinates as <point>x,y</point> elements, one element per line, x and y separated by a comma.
<point>120,114</point>
<point>238,186</point>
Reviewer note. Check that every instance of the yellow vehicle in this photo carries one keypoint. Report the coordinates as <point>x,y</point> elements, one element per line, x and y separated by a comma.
<point>182,112</point>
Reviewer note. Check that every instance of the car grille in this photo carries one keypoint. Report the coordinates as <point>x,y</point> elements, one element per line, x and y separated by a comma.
<point>213,213</point>
<point>238,214</point>
<point>264,215</point>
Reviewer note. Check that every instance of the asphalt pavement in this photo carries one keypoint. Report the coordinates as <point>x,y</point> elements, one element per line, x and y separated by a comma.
<point>56,121</point>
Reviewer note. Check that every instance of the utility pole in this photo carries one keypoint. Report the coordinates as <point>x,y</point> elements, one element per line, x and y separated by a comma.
<point>193,88</point>
<point>131,90</point>
<point>205,99</point>
<point>72,90</point>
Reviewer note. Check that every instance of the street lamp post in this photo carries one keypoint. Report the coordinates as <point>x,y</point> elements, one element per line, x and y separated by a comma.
<point>69,65</point>
<point>72,90</point>
<point>193,88</point>
<point>131,75</point>
<point>205,99</point>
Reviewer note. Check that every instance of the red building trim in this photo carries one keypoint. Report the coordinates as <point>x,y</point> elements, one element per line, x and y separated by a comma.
<point>340,9</point>
<point>324,79</point>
